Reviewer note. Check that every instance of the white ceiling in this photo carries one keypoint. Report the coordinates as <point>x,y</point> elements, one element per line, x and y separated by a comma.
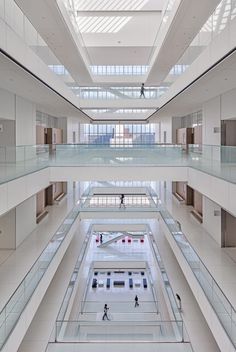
<point>119,55</point>
<point>131,44</point>
<point>188,20</point>
<point>141,31</point>
<point>117,5</point>
<point>219,80</point>
<point>15,79</point>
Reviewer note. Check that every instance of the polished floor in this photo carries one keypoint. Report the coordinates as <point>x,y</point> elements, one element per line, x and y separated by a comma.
<point>194,321</point>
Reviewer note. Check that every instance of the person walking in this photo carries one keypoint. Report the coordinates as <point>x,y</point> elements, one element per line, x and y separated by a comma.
<point>142,89</point>
<point>101,238</point>
<point>136,304</point>
<point>105,313</point>
<point>122,200</point>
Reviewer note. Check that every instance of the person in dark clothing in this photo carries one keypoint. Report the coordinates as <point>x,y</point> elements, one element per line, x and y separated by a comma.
<point>136,304</point>
<point>142,89</point>
<point>101,238</point>
<point>122,199</point>
<point>105,313</point>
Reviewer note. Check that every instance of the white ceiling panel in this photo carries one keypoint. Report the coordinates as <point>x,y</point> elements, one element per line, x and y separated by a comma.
<point>119,56</point>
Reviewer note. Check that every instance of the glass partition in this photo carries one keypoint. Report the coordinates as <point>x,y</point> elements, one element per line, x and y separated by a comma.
<point>119,331</point>
<point>218,161</point>
<point>15,306</point>
<point>219,302</point>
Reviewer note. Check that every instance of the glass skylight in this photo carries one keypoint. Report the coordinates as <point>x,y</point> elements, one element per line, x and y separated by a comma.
<point>117,111</point>
<point>119,70</point>
<point>218,21</point>
<point>58,69</point>
<point>111,5</point>
<point>101,24</point>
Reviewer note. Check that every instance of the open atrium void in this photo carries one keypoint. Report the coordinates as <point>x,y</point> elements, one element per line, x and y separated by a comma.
<point>117,175</point>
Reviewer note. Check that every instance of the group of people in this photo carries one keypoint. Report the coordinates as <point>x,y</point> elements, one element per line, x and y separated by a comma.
<point>106,308</point>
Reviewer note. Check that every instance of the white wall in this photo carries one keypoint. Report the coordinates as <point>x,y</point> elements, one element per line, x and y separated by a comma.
<point>22,113</point>
<point>7,230</point>
<point>166,126</point>
<point>212,218</point>
<point>72,127</point>
<point>211,122</point>
<point>17,191</point>
<point>7,105</point>
<point>17,224</point>
<point>176,123</point>
<point>228,105</point>
<point>25,122</point>
<point>7,134</point>
<point>25,219</point>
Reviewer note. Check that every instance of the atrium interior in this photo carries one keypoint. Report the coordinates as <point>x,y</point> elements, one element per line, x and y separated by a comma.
<point>117,175</point>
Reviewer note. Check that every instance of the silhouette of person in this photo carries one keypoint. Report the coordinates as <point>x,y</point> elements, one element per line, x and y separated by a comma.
<point>179,300</point>
<point>122,198</point>
<point>101,238</point>
<point>105,313</point>
<point>142,89</point>
<point>136,304</point>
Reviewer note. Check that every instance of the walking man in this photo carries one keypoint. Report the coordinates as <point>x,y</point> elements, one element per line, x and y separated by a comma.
<point>122,200</point>
<point>101,238</point>
<point>142,89</point>
<point>105,313</point>
<point>136,304</point>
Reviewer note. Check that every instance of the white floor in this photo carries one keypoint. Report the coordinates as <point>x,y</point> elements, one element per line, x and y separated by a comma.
<point>116,253</point>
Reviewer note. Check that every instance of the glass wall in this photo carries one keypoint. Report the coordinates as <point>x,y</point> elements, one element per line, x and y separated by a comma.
<point>119,134</point>
<point>119,70</point>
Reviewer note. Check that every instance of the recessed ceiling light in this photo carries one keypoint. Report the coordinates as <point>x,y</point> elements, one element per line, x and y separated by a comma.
<point>119,42</point>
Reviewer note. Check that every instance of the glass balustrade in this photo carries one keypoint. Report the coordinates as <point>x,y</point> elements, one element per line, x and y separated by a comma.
<point>15,306</point>
<point>174,306</point>
<point>117,93</point>
<point>112,202</point>
<point>119,331</point>
<point>84,330</point>
<point>219,302</point>
<point>219,161</point>
<point>89,308</point>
